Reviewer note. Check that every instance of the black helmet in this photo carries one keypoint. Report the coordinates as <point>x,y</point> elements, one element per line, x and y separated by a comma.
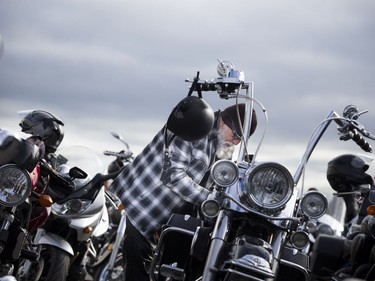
<point>191,119</point>
<point>43,124</point>
<point>346,171</point>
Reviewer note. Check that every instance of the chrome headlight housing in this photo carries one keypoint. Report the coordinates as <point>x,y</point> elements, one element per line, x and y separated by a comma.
<point>15,185</point>
<point>299,239</point>
<point>324,229</point>
<point>210,208</point>
<point>71,207</point>
<point>314,204</point>
<point>268,186</point>
<point>224,173</point>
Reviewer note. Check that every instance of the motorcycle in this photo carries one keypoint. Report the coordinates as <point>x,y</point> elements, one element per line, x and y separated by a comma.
<point>331,223</point>
<point>351,256</point>
<point>325,225</point>
<point>255,225</point>
<point>106,262</point>
<point>78,214</point>
<point>123,157</point>
<point>24,206</point>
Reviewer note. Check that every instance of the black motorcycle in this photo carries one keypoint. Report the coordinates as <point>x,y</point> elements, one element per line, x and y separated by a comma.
<point>351,256</point>
<point>255,226</point>
<point>24,206</point>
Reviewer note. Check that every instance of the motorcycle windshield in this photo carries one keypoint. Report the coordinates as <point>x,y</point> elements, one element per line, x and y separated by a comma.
<point>81,157</point>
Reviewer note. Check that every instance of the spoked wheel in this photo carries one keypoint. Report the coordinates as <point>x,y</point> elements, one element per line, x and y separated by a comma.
<point>56,264</point>
<point>102,273</point>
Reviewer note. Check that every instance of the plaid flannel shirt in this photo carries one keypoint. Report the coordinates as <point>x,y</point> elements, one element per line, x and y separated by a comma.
<point>147,201</point>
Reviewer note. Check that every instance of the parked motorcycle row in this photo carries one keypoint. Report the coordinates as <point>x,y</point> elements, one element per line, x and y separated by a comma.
<point>59,221</point>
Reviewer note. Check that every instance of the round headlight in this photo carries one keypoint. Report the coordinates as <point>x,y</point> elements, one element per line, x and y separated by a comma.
<point>224,173</point>
<point>299,239</point>
<point>210,208</point>
<point>71,207</point>
<point>314,204</point>
<point>15,185</point>
<point>269,186</point>
<point>324,229</point>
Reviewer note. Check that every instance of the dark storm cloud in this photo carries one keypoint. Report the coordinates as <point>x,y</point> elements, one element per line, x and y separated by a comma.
<point>120,65</point>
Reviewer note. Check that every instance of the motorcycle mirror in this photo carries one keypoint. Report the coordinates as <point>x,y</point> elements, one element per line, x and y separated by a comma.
<point>371,196</point>
<point>116,135</point>
<point>350,111</point>
<point>120,138</point>
<point>77,173</point>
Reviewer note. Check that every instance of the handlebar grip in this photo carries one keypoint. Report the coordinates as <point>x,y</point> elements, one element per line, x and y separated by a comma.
<point>207,87</point>
<point>120,155</point>
<point>203,86</point>
<point>362,143</point>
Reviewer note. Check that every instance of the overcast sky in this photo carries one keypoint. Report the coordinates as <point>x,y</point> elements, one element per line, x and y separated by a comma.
<point>121,66</point>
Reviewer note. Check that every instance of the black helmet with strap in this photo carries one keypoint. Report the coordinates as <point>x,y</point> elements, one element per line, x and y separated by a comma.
<point>192,119</point>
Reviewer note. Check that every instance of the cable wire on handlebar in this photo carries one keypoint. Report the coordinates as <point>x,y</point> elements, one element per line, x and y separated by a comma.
<point>306,157</point>
<point>265,127</point>
<point>322,126</point>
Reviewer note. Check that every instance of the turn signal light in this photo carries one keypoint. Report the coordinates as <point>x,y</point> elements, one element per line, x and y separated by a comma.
<point>87,230</point>
<point>45,201</point>
<point>371,210</point>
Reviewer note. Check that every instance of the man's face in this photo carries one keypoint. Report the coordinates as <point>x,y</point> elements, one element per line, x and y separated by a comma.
<point>227,142</point>
<point>230,137</point>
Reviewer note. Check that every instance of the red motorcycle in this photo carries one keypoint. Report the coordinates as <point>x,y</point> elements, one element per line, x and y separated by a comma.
<point>23,205</point>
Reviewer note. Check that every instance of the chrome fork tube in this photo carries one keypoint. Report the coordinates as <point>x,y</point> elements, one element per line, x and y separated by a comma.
<point>116,246</point>
<point>217,246</point>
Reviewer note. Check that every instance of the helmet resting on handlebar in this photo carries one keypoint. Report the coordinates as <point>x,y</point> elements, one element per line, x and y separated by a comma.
<point>191,119</point>
<point>346,171</point>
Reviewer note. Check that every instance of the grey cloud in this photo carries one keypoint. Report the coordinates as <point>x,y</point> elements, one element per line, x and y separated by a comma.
<point>117,65</point>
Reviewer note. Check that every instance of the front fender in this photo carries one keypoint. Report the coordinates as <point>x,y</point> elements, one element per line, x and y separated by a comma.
<point>43,237</point>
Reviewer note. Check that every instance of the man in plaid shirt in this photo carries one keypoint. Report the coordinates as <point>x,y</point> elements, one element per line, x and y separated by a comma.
<point>149,201</point>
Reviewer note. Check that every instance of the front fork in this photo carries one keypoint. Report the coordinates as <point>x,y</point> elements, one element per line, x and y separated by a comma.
<point>117,244</point>
<point>7,219</point>
<point>77,270</point>
<point>217,246</point>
